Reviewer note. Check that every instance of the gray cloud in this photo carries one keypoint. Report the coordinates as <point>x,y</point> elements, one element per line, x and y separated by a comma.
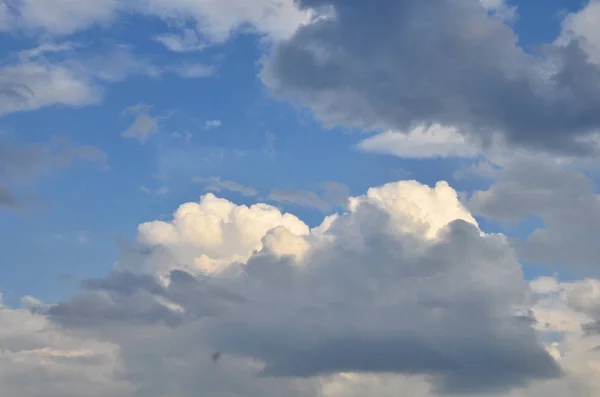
<point>397,64</point>
<point>129,298</point>
<point>367,298</point>
<point>7,197</point>
<point>300,198</point>
<point>334,194</point>
<point>23,163</point>
<point>144,124</point>
<point>563,198</point>
<point>216,184</point>
<point>382,318</point>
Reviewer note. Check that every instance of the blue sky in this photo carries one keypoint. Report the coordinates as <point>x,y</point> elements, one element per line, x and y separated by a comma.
<point>107,204</point>
<point>111,203</point>
<point>104,127</point>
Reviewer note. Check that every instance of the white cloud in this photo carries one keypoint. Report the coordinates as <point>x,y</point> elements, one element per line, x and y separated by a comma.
<point>583,26</point>
<point>210,124</point>
<point>216,21</point>
<point>30,85</point>
<point>213,21</point>
<point>76,76</point>
<point>213,233</point>
<point>428,209</point>
<point>71,78</point>
<point>422,142</point>
<point>188,41</point>
<point>572,309</point>
<point>59,17</point>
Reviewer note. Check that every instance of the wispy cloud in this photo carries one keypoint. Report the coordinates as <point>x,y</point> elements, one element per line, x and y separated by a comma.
<point>210,124</point>
<point>23,163</point>
<point>334,194</point>
<point>215,184</point>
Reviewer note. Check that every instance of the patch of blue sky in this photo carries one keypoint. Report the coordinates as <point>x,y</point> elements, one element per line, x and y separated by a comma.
<point>262,143</point>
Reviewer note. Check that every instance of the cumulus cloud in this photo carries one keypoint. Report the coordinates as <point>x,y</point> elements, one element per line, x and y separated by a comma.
<point>557,193</point>
<point>209,235</point>
<point>397,65</point>
<point>500,8</point>
<point>571,309</point>
<point>403,283</point>
<point>63,364</point>
<point>582,26</point>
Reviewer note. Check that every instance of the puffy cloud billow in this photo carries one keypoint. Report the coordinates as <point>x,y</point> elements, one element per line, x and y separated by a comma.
<point>403,288</point>
<point>398,65</point>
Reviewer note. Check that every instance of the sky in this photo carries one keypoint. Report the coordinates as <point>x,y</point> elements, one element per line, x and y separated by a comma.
<point>328,198</point>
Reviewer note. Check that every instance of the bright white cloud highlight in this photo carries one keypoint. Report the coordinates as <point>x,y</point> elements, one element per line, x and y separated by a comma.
<point>422,142</point>
<point>404,282</point>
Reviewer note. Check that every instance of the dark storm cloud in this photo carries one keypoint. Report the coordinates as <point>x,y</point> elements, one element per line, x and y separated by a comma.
<point>394,64</point>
